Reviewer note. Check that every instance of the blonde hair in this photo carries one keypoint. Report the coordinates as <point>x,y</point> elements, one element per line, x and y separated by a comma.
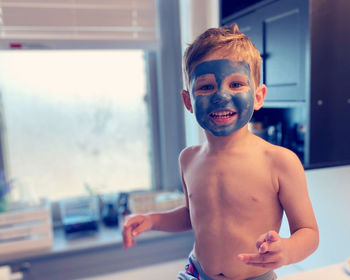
<point>228,39</point>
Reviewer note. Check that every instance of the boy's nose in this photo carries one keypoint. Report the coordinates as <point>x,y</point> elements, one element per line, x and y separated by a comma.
<point>221,97</point>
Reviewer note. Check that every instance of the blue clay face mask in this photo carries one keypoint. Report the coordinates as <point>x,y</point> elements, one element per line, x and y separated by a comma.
<point>223,95</point>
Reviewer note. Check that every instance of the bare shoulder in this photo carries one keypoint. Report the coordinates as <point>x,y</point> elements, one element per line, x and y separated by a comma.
<point>187,155</point>
<point>281,160</point>
<point>286,167</point>
<point>277,154</point>
<point>284,159</point>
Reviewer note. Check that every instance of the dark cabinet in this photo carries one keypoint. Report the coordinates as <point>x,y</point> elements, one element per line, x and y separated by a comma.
<point>305,63</point>
<point>282,40</point>
<point>278,31</point>
<point>330,82</point>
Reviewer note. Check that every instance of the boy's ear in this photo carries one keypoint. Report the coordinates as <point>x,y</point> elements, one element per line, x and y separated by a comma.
<point>260,94</point>
<point>186,98</point>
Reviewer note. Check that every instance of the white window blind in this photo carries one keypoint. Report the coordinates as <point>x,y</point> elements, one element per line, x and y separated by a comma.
<point>25,23</point>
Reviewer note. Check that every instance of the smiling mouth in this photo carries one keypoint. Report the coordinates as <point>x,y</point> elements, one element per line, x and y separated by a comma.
<point>222,115</point>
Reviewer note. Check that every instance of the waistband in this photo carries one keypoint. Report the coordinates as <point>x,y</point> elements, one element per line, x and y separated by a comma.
<point>270,275</point>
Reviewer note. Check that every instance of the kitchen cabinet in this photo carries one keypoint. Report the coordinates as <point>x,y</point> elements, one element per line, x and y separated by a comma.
<point>330,83</point>
<point>278,31</point>
<point>305,63</point>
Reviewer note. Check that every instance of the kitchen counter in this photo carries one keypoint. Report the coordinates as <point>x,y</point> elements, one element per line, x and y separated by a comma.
<point>331,272</point>
<point>95,254</point>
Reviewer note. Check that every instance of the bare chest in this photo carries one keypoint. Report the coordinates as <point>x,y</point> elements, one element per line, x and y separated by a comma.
<point>234,185</point>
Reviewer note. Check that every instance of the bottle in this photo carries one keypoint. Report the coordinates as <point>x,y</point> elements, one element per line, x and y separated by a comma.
<point>123,206</point>
<point>110,215</point>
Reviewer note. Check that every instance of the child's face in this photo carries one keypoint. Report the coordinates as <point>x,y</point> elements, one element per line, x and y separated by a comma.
<point>223,92</point>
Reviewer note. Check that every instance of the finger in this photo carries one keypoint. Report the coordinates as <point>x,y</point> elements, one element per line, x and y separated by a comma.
<point>130,221</point>
<point>249,257</point>
<point>270,247</point>
<point>127,239</point>
<point>260,240</point>
<point>130,243</point>
<point>129,224</point>
<point>142,226</point>
<point>264,247</point>
<point>258,258</point>
<point>272,236</point>
<point>138,224</point>
<point>271,265</point>
<point>270,243</point>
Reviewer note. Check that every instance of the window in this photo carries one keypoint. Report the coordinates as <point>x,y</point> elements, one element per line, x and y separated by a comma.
<point>74,120</point>
<point>92,28</point>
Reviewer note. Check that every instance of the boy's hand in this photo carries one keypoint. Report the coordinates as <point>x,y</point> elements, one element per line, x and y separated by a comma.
<point>133,226</point>
<point>271,252</point>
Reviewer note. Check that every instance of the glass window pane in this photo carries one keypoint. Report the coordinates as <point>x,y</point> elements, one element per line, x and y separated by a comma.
<point>75,119</point>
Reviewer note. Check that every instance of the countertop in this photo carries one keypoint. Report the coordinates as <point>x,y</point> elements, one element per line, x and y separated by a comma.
<point>331,272</point>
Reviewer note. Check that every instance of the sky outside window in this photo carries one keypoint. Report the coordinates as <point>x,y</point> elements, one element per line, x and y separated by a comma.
<point>75,118</point>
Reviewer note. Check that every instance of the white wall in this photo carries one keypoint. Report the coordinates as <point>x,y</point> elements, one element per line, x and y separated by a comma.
<point>329,190</point>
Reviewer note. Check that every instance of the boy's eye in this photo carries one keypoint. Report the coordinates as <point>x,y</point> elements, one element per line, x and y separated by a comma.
<point>235,85</point>
<point>206,87</point>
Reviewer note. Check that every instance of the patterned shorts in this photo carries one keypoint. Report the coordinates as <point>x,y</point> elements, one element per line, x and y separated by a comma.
<point>193,271</point>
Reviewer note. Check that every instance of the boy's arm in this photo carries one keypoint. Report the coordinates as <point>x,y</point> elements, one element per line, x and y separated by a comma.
<point>175,220</point>
<point>294,197</point>
<point>274,251</point>
<point>179,218</point>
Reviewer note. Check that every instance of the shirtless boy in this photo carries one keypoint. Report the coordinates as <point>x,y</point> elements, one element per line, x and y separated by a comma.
<point>236,184</point>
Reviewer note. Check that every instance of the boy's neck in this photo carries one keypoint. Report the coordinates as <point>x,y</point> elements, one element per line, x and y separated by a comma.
<point>237,139</point>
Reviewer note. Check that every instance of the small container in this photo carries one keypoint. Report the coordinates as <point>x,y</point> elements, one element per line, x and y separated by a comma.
<point>110,215</point>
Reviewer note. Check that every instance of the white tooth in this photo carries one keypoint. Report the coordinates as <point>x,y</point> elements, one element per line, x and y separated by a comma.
<point>223,114</point>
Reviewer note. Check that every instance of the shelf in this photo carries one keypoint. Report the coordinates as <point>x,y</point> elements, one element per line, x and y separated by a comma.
<point>284,104</point>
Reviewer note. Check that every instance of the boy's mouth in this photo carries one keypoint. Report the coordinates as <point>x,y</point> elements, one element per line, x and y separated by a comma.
<point>223,116</point>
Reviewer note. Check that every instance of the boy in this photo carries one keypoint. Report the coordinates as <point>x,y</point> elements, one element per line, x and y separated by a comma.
<point>236,184</point>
